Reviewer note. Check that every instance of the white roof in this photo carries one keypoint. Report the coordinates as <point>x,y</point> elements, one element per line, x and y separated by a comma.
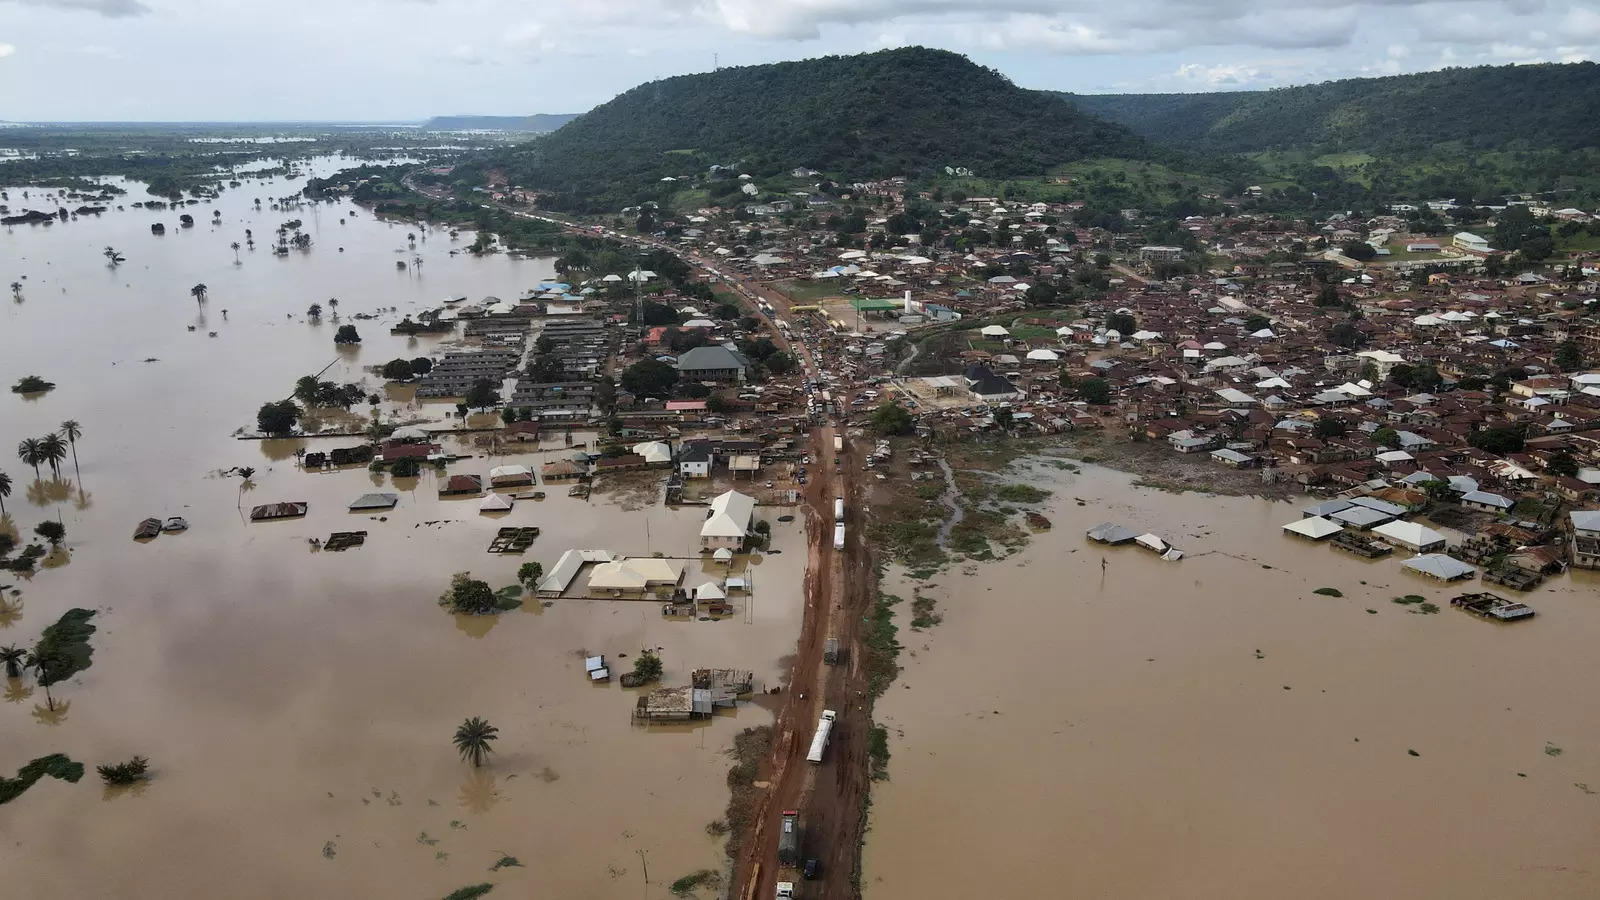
<point>654,451</point>
<point>994,331</point>
<point>1044,355</point>
<point>1439,566</point>
<point>709,591</point>
<point>1315,527</point>
<point>495,503</point>
<point>635,573</point>
<point>1410,533</point>
<point>509,471</point>
<point>730,515</point>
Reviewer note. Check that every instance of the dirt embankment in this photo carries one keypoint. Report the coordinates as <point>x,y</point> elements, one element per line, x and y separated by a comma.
<point>831,796</point>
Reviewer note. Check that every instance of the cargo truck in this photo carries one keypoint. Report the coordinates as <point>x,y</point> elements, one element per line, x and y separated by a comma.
<point>838,443</point>
<point>830,651</point>
<point>789,838</point>
<point>838,537</point>
<point>785,890</point>
<point>838,510</point>
<point>820,742</point>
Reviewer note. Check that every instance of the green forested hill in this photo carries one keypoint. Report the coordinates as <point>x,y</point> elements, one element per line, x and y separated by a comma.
<point>1484,108</point>
<point>896,112</point>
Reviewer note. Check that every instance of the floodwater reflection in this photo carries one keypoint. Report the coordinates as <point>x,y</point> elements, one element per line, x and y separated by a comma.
<point>479,793</point>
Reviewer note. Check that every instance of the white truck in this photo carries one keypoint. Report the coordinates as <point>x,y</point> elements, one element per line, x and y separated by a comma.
<point>838,510</point>
<point>819,743</point>
<point>838,536</point>
<point>838,443</point>
<point>785,890</point>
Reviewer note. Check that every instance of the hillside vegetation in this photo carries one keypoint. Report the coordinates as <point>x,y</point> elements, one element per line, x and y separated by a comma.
<point>1486,108</point>
<point>895,112</point>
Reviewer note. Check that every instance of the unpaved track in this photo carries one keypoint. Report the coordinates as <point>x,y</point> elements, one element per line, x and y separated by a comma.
<point>829,796</point>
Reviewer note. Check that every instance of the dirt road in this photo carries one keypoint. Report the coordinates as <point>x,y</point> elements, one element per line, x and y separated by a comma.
<point>830,795</point>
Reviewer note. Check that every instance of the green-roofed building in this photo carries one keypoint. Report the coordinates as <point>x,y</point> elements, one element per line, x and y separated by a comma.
<point>863,304</point>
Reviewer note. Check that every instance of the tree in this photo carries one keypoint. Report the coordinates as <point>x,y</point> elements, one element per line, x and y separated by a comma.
<point>1347,335</point>
<point>1501,439</point>
<point>1328,428</point>
<point>198,292</point>
<point>46,663</point>
<point>891,419</point>
<point>346,335</point>
<point>54,450</point>
<point>71,430</point>
<point>5,491</point>
<point>111,254</point>
<point>469,596</point>
<point>136,769</point>
<point>1563,464</point>
<point>29,452</point>
<point>1361,251</point>
<point>54,532</point>
<point>528,575</point>
<point>278,418</point>
<point>649,378</point>
<point>314,312</point>
<point>1569,357</point>
<point>1386,437</point>
<point>421,365</point>
<point>1122,323</point>
<point>473,738</point>
<point>647,667</point>
<point>1094,390</point>
<point>482,394</point>
<point>397,370</point>
<point>1003,417</point>
<point>780,363</point>
<point>1329,296</point>
<point>235,247</point>
<point>13,658</point>
<point>718,404</point>
<point>1256,323</point>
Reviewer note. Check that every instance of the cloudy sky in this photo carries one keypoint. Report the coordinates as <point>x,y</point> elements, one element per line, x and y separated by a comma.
<point>386,60</point>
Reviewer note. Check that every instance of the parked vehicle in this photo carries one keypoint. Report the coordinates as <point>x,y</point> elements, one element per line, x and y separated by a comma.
<point>176,523</point>
<point>785,890</point>
<point>819,743</point>
<point>789,838</point>
<point>838,537</point>
<point>812,869</point>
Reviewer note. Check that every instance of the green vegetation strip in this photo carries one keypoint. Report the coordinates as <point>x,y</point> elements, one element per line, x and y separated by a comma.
<point>56,765</point>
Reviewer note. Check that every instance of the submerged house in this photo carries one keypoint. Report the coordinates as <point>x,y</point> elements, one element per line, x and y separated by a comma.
<point>727,522</point>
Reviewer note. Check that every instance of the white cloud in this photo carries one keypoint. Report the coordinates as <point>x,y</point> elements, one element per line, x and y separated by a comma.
<point>109,8</point>
<point>7,49</point>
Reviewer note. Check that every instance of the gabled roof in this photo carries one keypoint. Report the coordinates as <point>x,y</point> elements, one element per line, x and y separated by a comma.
<point>730,515</point>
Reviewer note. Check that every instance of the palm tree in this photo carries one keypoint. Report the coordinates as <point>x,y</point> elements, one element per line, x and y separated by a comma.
<point>198,292</point>
<point>235,246</point>
<point>111,254</point>
<point>13,658</point>
<point>472,740</point>
<point>314,312</point>
<point>16,289</point>
<point>71,430</point>
<point>333,304</point>
<point>28,451</point>
<point>42,664</point>
<point>5,491</point>
<point>54,450</point>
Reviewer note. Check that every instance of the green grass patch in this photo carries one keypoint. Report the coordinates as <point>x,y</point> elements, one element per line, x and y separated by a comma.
<point>689,883</point>
<point>878,752</point>
<point>1022,493</point>
<point>922,613</point>
<point>56,765</point>
<point>470,892</point>
<point>882,656</point>
<point>806,293</point>
<point>1329,592</point>
<point>66,645</point>
<point>1410,599</point>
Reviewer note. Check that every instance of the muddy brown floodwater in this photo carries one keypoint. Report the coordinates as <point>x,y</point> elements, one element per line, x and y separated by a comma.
<point>1213,729</point>
<point>297,706</point>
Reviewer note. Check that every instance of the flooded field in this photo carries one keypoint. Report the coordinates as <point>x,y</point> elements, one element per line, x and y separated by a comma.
<point>297,705</point>
<point>1212,728</point>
